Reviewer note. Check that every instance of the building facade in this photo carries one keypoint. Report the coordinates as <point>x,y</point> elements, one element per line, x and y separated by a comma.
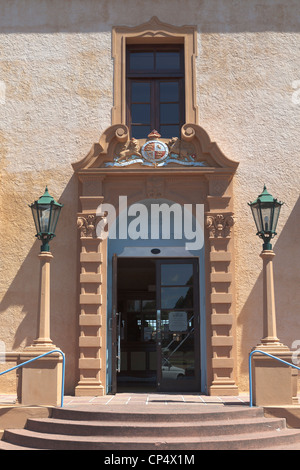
<point>154,125</point>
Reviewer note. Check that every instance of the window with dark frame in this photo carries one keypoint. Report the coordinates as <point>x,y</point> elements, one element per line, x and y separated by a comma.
<point>155,90</point>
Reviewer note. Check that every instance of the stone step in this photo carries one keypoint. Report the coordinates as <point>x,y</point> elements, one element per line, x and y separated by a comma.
<point>295,446</point>
<point>256,441</point>
<point>157,414</point>
<point>8,446</point>
<point>153,429</point>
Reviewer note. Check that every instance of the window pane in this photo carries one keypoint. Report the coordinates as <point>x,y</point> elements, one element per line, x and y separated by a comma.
<point>134,327</point>
<point>169,91</point>
<point>176,274</point>
<point>140,113</point>
<point>169,113</point>
<point>149,327</point>
<point>169,131</point>
<point>148,304</point>
<point>142,61</point>
<point>140,132</point>
<point>168,61</point>
<point>133,305</point>
<point>140,92</point>
<point>178,350</point>
<point>176,297</point>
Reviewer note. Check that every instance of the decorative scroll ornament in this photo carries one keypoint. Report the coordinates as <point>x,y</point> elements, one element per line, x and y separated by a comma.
<point>87,225</point>
<point>219,225</point>
<point>155,152</point>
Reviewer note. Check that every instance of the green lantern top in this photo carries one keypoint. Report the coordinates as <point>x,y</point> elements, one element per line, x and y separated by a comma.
<point>264,197</point>
<point>46,198</point>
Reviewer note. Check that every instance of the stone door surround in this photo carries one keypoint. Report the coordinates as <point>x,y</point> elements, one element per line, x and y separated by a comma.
<point>206,178</point>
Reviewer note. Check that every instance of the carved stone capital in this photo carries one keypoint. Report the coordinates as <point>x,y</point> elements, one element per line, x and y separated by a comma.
<point>87,224</point>
<point>219,225</point>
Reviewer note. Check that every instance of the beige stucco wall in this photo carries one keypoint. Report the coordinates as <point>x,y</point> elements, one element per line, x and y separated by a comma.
<point>56,75</point>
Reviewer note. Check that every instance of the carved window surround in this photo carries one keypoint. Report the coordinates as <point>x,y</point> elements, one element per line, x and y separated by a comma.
<point>153,32</point>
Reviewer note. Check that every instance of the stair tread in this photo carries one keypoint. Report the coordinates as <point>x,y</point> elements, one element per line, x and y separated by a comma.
<point>159,409</point>
<point>155,413</point>
<point>295,446</point>
<point>171,439</point>
<point>140,424</point>
<point>9,446</point>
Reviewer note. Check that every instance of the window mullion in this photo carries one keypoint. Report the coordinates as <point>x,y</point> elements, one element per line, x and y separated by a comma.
<point>156,104</point>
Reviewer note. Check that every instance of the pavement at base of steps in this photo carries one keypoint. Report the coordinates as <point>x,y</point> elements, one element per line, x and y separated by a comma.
<point>144,399</point>
<point>136,398</point>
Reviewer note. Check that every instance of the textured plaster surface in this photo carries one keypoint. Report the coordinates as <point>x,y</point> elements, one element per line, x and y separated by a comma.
<point>56,95</point>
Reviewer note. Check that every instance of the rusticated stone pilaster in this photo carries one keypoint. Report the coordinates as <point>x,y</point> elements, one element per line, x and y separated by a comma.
<point>91,316</point>
<point>219,227</point>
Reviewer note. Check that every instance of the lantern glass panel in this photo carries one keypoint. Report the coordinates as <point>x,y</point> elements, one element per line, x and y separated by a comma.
<point>256,217</point>
<point>266,215</point>
<point>44,216</point>
<point>276,216</point>
<point>35,217</point>
<point>54,218</point>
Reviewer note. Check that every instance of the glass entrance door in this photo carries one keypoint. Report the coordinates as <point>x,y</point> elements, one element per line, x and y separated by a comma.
<point>178,348</point>
<point>157,344</point>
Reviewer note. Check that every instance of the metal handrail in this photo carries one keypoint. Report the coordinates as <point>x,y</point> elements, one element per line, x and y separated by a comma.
<point>38,357</point>
<point>250,369</point>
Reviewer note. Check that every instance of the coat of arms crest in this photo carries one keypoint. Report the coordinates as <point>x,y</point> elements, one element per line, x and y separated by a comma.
<point>155,152</point>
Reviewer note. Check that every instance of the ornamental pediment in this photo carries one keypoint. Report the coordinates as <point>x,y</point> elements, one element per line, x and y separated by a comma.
<point>116,149</point>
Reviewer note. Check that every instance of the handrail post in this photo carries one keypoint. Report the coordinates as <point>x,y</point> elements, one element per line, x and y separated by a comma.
<point>250,370</point>
<point>39,357</point>
<point>250,379</point>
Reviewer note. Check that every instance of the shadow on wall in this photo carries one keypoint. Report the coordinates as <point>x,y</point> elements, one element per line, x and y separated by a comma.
<point>75,16</point>
<point>287,291</point>
<point>24,290</point>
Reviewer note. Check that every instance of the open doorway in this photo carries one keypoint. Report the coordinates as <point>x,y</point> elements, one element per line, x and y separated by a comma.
<point>137,306</point>
<point>157,330</point>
